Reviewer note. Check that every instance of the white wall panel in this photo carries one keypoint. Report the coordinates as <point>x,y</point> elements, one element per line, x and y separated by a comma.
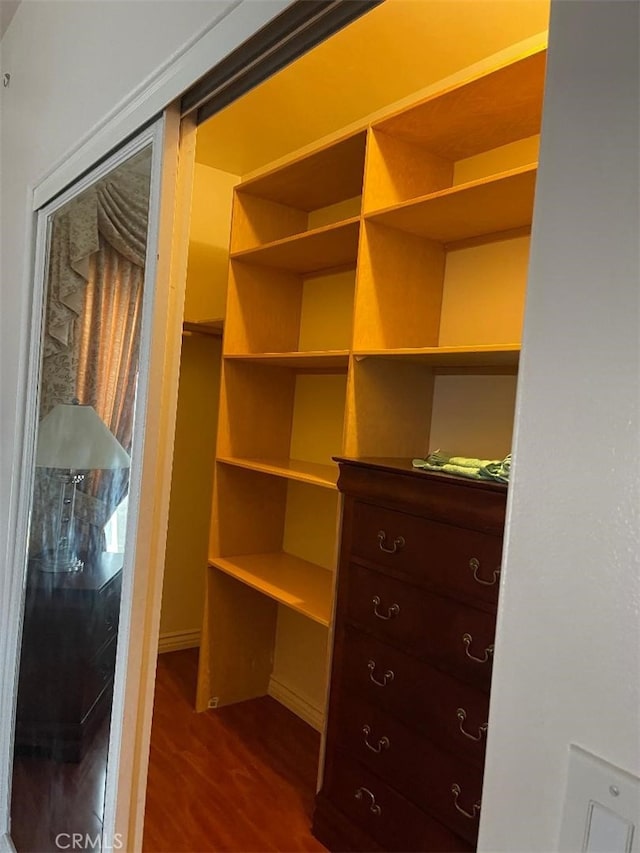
<point>567,665</point>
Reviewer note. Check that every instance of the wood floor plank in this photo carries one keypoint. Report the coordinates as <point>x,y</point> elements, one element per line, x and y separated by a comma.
<point>52,799</point>
<point>240,779</point>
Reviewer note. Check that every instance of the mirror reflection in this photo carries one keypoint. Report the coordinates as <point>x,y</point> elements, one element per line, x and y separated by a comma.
<point>90,344</point>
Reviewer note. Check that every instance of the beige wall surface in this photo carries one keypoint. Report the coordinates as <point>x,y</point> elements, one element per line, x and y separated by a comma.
<point>197,415</point>
<point>191,484</point>
<point>208,266</point>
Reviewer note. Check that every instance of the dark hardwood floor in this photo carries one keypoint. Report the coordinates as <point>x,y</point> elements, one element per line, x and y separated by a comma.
<point>52,799</point>
<point>239,779</point>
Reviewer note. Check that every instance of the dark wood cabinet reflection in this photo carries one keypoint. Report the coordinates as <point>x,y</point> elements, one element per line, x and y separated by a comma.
<point>68,657</point>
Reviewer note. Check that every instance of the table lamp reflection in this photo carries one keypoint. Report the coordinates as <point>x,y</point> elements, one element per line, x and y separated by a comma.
<point>72,439</point>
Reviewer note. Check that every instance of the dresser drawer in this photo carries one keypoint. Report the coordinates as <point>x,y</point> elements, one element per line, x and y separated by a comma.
<point>98,676</point>
<point>452,636</point>
<point>105,614</point>
<point>392,821</point>
<point>435,780</point>
<point>431,702</point>
<point>456,559</point>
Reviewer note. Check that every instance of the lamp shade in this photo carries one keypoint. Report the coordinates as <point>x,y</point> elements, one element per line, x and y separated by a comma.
<point>73,436</point>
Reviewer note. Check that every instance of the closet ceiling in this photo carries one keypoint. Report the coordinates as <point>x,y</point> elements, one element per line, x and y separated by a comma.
<point>397,49</point>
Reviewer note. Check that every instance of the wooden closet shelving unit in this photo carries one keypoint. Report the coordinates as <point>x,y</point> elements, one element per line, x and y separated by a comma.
<point>363,278</point>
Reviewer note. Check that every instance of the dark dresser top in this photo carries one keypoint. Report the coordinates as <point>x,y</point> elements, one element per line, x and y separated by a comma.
<point>93,577</point>
<point>395,483</point>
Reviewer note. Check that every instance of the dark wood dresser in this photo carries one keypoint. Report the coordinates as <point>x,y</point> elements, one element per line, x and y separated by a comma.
<point>68,657</point>
<point>414,631</point>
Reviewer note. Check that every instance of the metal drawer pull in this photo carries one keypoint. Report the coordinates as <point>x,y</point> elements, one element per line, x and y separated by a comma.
<point>467,639</point>
<point>373,806</point>
<point>387,677</point>
<point>474,565</point>
<point>398,543</point>
<point>482,730</point>
<point>392,611</point>
<point>455,790</point>
<point>383,743</point>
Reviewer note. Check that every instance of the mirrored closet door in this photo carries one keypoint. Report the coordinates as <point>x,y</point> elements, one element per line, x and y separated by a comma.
<point>95,268</point>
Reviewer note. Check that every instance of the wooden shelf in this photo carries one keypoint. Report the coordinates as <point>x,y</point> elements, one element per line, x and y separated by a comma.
<point>476,115</point>
<point>213,328</point>
<point>492,205</point>
<point>327,176</point>
<point>310,251</point>
<point>298,584</point>
<point>323,360</point>
<point>341,286</point>
<point>291,469</point>
<point>500,355</point>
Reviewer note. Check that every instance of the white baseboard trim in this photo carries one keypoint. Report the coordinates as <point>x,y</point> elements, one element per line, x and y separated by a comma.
<point>300,706</point>
<point>174,641</point>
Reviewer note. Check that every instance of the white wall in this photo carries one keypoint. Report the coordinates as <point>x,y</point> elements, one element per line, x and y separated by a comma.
<point>567,666</point>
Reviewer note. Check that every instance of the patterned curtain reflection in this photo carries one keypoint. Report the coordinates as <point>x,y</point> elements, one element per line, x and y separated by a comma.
<point>92,331</point>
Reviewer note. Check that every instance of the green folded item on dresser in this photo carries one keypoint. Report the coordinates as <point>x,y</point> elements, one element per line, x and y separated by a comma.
<point>466,466</point>
<point>499,471</point>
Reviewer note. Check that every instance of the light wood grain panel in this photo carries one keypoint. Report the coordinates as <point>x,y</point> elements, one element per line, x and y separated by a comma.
<point>291,469</point>
<point>248,512</point>
<point>399,290</point>
<point>259,220</point>
<point>492,110</point>
<point>298,584</point>
<point>326,319</point>
<point>328,361</point>
<point>209,230</point>
<point>484,292</point>
<point>263,310</point>
<point>506,355</point>
<point>473,415</point>
<point>256,410</point>
<point>330,246</point>
<point>318,417</point>
<point>397,170</point>
<point>388,408</point>
<point>510,156</point>
<point>483,239</point>
<point>207,275</point>
<point>329,175</point>
<point>209,328</point>
<point>242,637</point>
<point>300,665</point>
<point>191,484</point>
<point>338,212</point>
<point>311,524</point>
<point>487,206</point>
<point>204,658</point>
